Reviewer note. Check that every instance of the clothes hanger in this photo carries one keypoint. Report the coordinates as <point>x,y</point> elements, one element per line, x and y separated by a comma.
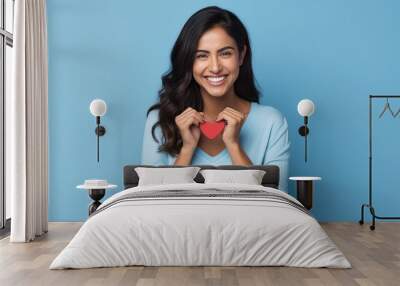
<point>397,113</point>
<point>387,107</point>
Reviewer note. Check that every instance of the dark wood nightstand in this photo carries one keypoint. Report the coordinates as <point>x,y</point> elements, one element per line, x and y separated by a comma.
<point>305,190</point>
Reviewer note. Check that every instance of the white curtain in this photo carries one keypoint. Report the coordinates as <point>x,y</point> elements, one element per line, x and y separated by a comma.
<point>27,124</point>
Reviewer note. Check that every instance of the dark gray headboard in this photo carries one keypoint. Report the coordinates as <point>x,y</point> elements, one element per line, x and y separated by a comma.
<point>271,177</point>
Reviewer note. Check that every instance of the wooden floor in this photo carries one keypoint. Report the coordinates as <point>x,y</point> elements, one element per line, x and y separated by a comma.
<point>375,257</point>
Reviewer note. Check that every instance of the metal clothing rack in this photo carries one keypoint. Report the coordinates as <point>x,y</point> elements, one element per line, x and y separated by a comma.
<point>370,204</point>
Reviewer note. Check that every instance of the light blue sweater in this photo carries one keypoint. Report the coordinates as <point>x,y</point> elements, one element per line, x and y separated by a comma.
<point>263,137</point>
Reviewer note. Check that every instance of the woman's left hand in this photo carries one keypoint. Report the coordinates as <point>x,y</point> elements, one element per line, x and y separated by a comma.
<point>234,121</point>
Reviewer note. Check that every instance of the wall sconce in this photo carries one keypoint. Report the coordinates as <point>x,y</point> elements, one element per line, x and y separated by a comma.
<point>306,109</point>
<point>98,108</point>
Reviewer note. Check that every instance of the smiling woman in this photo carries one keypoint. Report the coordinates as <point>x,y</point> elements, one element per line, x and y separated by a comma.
<point>211,84</point>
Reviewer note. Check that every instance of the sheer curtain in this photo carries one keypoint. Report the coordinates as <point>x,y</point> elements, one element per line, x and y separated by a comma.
<point>27,124</point>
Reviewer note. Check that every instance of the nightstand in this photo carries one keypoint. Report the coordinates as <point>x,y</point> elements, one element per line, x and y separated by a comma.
<point>305,190</point>
<point>97,190</point>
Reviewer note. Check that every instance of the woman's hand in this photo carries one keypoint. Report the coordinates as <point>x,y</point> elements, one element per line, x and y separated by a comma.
<point>188,124</point>
<point>234,120</point>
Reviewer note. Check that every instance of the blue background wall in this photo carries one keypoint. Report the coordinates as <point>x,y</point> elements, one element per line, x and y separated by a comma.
<point>333,52</point>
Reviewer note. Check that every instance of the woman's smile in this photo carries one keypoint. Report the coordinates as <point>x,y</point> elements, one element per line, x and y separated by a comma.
<point>216,80</point>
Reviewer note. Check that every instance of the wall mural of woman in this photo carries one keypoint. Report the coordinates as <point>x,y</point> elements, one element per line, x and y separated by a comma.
<point>208,111</point>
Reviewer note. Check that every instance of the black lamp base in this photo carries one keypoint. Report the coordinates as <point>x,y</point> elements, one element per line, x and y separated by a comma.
<point>303,130</point>
<point>100,130</point>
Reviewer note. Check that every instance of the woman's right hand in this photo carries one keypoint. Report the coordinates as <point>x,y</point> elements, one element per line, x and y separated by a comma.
<point>188,124</point>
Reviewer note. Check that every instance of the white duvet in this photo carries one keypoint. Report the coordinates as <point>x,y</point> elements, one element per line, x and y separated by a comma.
<point>200,231</point>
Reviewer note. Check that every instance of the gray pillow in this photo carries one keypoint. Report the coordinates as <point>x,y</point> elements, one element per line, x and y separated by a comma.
<point>164,176</point>
<point>248,177</point>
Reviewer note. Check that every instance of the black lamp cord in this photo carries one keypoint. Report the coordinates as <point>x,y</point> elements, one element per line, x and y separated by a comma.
<point>305,137</point>
<point>305,148</point>
<point>97,133</point>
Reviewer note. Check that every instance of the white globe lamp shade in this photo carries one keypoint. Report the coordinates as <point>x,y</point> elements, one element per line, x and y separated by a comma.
<point>306,107</point>
<point>98,107</point>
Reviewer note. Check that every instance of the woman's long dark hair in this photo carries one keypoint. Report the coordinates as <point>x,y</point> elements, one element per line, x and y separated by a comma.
<point>180,90</point>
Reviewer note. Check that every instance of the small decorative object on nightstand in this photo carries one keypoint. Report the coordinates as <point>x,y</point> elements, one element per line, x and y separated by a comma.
<point>305,190</point>
<point>97,190</point>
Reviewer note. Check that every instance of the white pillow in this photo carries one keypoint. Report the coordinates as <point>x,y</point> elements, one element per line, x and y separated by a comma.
<point>248,177</point>
<point>164,176</point>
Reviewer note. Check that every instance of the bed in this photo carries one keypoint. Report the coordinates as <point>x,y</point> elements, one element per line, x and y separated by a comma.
<point>199,224</point>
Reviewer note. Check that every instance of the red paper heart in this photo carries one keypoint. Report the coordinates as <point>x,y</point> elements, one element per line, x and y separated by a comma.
<point>212,129</point>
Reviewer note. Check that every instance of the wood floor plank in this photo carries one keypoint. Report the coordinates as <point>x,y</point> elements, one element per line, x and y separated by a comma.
<point>374,255</point>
